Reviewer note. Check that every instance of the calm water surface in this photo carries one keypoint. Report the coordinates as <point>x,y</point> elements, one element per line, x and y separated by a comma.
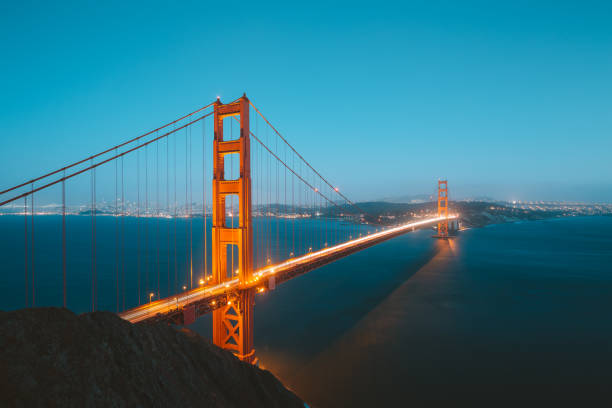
<point>513,312</point>
<point>503,311</point>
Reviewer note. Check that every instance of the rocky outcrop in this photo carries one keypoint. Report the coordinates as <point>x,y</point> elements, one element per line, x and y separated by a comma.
<point>52,357</point>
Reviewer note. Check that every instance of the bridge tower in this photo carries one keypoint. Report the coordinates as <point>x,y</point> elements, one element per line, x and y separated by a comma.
<point>233,322</point>
<point>442,208</point>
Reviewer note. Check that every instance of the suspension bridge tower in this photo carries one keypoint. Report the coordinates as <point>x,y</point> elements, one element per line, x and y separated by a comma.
<point>233,322</point>
<point>442,209</point>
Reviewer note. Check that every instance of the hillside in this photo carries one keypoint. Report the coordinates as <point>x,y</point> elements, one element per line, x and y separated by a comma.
<point>52,357</point>
<point>473,214</point>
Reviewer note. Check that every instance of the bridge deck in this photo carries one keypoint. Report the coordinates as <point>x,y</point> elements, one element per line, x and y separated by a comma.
<point>208,298</point>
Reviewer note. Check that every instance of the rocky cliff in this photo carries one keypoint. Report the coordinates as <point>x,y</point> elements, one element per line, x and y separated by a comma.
<point>52,357</point>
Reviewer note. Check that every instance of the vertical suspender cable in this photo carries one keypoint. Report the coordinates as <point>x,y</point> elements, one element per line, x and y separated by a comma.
<point>138,220</point>
<point>293,209</point>
<point>32,249</point>
<point>312,215</point>
<point>175,221</point>
<point>190,210</point>
<point>260,203</point>
<point>168,213</point>
<point>190,277</point>
<point>326,221</point>
<point>93,244</point>
<point>278,258</point>
<point>64,236</point>
<point>146,212</point>
<point>92,237</point>
<point>157,220</point>
<point>116,239</point>
<point>255,187</point>
<point>301,224</point>
<point>285,204</point>
<point>267,196</point>
<point>25,217</point>
<point>204,253</point>
<point>262,210</point>
<point>122,235</point>
<point>95,247</point>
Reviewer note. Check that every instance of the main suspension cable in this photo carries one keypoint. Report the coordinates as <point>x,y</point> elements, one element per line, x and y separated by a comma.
<point>303,159</point>
<point>105,151</point>
<point>93,166</point>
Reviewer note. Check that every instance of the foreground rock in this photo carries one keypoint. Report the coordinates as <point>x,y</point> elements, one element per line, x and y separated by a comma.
<point>52,357</point>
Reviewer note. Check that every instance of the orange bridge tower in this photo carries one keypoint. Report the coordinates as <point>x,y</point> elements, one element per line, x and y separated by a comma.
<point>233,322</point>
<point>442,208</point>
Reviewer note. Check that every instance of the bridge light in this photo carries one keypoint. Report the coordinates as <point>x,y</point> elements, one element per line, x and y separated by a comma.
<point>201,281</point>
<point>184,287</point>
<point>151,296</point>
<point>236,271</point>
<point>229,302</point>
<point>214,302</point>
<point>336,189</point>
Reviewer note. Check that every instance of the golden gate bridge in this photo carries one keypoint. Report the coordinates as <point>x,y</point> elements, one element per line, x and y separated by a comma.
<point>263,194</point>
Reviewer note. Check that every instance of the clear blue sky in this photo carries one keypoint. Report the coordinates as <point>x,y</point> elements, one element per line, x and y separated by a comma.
<point>507,100</point>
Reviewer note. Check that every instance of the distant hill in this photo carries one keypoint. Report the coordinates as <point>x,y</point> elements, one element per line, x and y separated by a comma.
<point>424,198</point>
<point>52,357</point>
<point>473,213</point>
<point>409,199</point>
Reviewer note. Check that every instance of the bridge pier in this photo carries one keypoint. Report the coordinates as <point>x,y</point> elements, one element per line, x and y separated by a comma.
<point>233,323</point>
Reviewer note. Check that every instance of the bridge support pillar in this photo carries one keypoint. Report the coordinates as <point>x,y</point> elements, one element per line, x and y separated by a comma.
<point>233,323</point>
<point>442,209</point>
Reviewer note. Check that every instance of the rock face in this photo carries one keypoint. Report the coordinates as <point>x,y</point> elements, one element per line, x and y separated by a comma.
<point>52,357</point>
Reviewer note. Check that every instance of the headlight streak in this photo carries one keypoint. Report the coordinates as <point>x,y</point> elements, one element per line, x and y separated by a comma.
<point>164,305</point>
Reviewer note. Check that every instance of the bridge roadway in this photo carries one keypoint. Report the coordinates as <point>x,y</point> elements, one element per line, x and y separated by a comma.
<point>205,299</point>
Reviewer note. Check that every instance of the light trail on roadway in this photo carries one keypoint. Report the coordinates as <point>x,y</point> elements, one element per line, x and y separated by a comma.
<point>174,303</point>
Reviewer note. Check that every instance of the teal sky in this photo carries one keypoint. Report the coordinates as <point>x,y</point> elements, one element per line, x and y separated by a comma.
<point>510,100</point>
